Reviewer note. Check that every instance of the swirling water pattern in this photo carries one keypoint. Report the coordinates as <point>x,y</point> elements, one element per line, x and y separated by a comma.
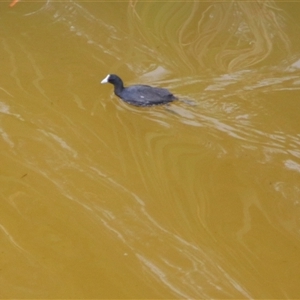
<point>198,199</point>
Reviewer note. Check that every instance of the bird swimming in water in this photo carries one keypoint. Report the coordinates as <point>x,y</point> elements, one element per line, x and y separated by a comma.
<point>139,95</point>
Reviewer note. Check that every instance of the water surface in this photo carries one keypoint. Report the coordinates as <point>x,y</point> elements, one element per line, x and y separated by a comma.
<point>198,199</point>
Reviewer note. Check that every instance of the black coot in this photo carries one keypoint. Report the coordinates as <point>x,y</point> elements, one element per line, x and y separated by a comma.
<point>139,95</point>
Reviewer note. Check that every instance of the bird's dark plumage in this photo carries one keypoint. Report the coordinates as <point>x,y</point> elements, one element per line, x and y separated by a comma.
<point>139,95</point>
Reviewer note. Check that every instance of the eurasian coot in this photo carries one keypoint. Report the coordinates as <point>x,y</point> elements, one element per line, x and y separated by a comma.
<point>139,95</point>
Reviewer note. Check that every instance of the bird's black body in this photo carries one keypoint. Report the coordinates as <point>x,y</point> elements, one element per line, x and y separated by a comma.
<point>139,95</point>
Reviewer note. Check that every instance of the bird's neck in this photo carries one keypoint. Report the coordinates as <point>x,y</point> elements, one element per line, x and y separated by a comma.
<point>118,90</point>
